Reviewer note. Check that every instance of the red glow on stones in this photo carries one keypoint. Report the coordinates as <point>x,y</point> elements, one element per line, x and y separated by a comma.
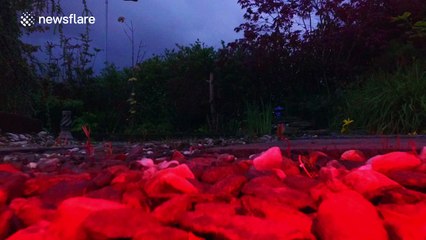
<point>222,197</point>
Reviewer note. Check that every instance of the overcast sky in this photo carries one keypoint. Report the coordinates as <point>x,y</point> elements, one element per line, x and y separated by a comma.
<point>159,24</point>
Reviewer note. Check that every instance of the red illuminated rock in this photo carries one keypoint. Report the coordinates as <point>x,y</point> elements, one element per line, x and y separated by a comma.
<point>136,199</point>
<point>127,179</point>
<point>103,178</point>
<point>224,208</point>
<point>30,210</point>
<point>275,211</point>
<point>168,183</point>
<point>369,183</point>
<point>163,232</point>
<point>12,185</point>
<point>178,156</point>
<point>181,170</point>
<point>402,196</point>
<point>226,157</point>
<point>347,215</point>
<point>38,231</point>
<point>405,221</point>
<point>171,211</point>
<point>117,223</point>
<point>106,193</point>
<point>282,195</point>
<point>73,212</point>
<point>10,168</point>
<point>241,227</point>
<point>55,194</point>
<point>230,185</point>
<point>301,183</point>
<point>290,167</point>
<point>215,174</point>
<point>6,219</point>
<point>422,155</point>
<point>410,179</point>
<point>265,181</point>
<point>394,161</point>
<point>268,160</point>
<point>353,155</point>
<point>117,169</point>
<point>42,183</point>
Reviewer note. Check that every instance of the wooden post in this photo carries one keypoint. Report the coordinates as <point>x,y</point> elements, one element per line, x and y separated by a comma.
<point>213,121</point>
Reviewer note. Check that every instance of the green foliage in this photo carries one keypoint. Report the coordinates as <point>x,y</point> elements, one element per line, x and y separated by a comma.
<point>187,88</point>
<point>86,118</point>
<point>258,119</point>
<point>390,102</point>
<point>50,110</point>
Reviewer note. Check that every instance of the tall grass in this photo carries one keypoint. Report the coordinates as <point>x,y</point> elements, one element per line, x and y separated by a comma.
<point>391,102</point>
<point>258,119</point>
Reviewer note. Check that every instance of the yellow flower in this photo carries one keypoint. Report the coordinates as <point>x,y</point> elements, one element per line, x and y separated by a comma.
<point>346,123</point>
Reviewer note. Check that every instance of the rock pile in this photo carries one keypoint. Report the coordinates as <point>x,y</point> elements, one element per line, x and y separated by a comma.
<point>212,196</point>
<point>42,138</point>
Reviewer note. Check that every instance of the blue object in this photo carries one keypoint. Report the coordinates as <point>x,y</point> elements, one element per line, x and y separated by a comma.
<point>278,113</point>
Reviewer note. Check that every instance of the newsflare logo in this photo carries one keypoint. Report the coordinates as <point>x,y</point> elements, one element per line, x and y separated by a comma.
<point>28,19</point>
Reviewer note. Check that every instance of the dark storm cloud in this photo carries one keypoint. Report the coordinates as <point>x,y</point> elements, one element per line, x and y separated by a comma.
<point>159,24</point>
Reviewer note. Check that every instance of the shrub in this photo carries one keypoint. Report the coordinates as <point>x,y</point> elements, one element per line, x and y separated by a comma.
<point>390,102</point>
<point>258,119</point>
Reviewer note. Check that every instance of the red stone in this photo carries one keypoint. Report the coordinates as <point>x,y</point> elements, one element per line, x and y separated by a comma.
<point>7,167</point>
<point>41,183</point>
<point>223,208</point>
<point>290,167</point>
<point>301,183</point>
<point>177,156</point>
<point>106,193</point>
<point>282,195</point>
<point>266,181</point>
<point>230,185</point>
<point>263,208</point>
<point>171,211</point>
<point>6,219</point>
<point>347,215</point>
<point>117,223</point>
<point>12,185</point>
<point>168,184</point>
<point>405,221</point>
<point>35,232</point>
<point>226,158</point>
<point>215,174</point>
<point>410,179</point>
<point>163,232</point>
<point>30,210</point>
<point>136,199</point>
<point>127,179</point>
<point>55,194</point>
<point>237,227</point>
<point>73,212</point>
<point>268,160</point>
<point>181,170</point>
<point>369,183</point>
<point>103,178</point>
<point>402,196</point>
<point>394,161</point>
<point>117,169</point>
<point>353,155</point>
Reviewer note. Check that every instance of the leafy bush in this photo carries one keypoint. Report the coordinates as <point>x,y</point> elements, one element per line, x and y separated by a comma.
<point>390,102</point>
<point>258,119</point>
